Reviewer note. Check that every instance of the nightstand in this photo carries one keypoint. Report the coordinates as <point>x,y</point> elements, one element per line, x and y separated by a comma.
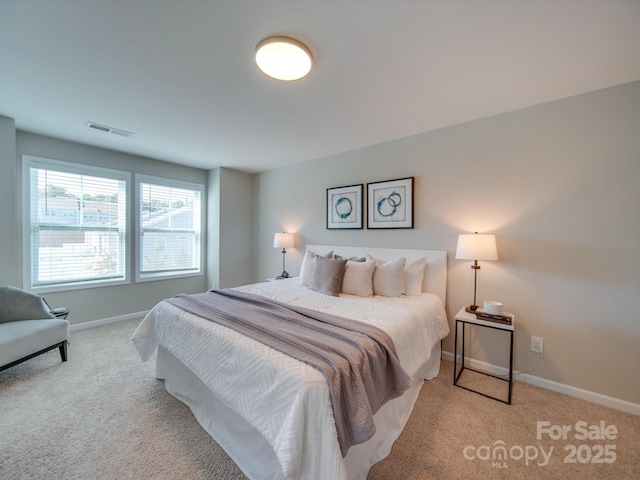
<point>464,318</point>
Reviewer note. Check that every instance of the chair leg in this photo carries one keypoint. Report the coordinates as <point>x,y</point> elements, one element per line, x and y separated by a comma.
<point>63,351</point>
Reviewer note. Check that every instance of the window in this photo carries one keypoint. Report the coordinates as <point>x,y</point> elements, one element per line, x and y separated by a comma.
<point>76,225</point>
<point>169,228</point>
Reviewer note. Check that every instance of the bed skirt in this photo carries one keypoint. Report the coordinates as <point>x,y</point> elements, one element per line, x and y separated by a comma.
<point>249,449</point>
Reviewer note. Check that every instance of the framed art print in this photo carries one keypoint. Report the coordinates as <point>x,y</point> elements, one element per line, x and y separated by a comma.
<point>390,204</point>
<point>344,207</point>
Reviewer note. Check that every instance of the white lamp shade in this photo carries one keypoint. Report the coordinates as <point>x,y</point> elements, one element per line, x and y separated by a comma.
<point>283,240</point>
<point>283,58</point>
<point>477,247</point>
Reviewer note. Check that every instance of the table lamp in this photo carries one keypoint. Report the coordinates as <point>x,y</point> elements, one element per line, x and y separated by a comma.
<point>476,247</point>
<point>284,241</point>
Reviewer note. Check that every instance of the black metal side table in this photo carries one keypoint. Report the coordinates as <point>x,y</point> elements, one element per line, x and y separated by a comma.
<point>465,318</point>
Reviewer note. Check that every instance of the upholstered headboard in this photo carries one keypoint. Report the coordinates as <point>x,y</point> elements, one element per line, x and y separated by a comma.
<point>435,279</point>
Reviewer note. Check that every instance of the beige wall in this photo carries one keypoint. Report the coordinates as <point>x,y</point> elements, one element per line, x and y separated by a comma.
<point>559,186</point>
<point>213,229</point>
<point>9,215</point>
<point>230,228</point>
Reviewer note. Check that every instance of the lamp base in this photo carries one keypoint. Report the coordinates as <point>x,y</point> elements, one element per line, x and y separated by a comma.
<point>471,309</point>
<point>283,275</point>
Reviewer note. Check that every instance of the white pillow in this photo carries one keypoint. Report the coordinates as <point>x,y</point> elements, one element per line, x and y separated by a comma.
<point>388,277</point>
<point>358,278</point>
<point>309,265</point>
<point>414,275</point>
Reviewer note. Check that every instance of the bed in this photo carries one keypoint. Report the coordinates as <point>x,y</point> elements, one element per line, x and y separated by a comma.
<point>272,413</point>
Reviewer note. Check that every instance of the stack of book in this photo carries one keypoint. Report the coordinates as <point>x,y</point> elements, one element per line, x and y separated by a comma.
<point>490,317</point>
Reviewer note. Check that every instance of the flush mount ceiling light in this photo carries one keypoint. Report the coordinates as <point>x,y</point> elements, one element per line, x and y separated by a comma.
<point>283,58</point>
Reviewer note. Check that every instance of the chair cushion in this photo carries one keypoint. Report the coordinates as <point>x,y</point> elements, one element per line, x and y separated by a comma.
<point>22,338</point>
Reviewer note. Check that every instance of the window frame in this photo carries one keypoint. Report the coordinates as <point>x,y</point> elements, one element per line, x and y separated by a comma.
<point>167,182</point>
<point>29,162</point>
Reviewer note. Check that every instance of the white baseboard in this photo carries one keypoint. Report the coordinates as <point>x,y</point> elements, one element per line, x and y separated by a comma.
<point>576,392</point>
<point>105,321</point>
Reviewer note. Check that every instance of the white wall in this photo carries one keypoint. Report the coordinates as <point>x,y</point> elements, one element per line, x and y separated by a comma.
<point>557,184</point>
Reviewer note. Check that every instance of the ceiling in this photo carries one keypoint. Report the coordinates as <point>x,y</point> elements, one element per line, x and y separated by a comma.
<point>181,75</point>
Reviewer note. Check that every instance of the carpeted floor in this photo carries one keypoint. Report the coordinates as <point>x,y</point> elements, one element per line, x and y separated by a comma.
<point>103,415</point>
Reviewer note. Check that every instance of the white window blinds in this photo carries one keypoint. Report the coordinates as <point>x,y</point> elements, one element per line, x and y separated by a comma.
<point>78,219</point>
<point>169,240</point>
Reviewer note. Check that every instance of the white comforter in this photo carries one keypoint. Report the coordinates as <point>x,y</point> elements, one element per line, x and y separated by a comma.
<point>284,399</point>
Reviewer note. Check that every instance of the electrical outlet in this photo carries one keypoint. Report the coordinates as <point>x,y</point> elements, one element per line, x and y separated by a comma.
<point>537,345</point>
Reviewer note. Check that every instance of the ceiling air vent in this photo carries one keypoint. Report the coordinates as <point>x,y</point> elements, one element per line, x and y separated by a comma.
<point>104,128</point>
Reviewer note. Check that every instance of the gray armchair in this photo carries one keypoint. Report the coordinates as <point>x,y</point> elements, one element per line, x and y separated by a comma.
<point>28,327</point>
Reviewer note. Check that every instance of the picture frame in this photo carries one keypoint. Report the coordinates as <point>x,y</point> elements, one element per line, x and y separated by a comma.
<point>390,204</point>
<point>344,207</point>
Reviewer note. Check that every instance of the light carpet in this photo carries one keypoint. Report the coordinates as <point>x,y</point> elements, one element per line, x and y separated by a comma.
<point>103,415</point>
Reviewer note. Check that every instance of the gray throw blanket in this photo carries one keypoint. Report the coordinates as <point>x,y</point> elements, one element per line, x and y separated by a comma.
<point>358,360</point>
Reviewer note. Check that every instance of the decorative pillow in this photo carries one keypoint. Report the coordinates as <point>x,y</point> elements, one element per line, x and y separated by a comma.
<point>309,265</point>
<point>414,275</point>
<point>328,275</point>
<point>388,277</point>
<point>353,259</point>
<point>358,278</point>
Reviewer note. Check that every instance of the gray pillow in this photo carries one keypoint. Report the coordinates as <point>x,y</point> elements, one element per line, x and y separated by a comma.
<point>353,259</point>
<point>309,265</point>
<point>327,276</point>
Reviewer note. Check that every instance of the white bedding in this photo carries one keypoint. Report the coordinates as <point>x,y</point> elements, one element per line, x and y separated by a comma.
<point>284,399</point>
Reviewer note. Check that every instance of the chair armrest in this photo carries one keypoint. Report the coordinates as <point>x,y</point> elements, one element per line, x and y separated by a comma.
<point>17,304</point>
